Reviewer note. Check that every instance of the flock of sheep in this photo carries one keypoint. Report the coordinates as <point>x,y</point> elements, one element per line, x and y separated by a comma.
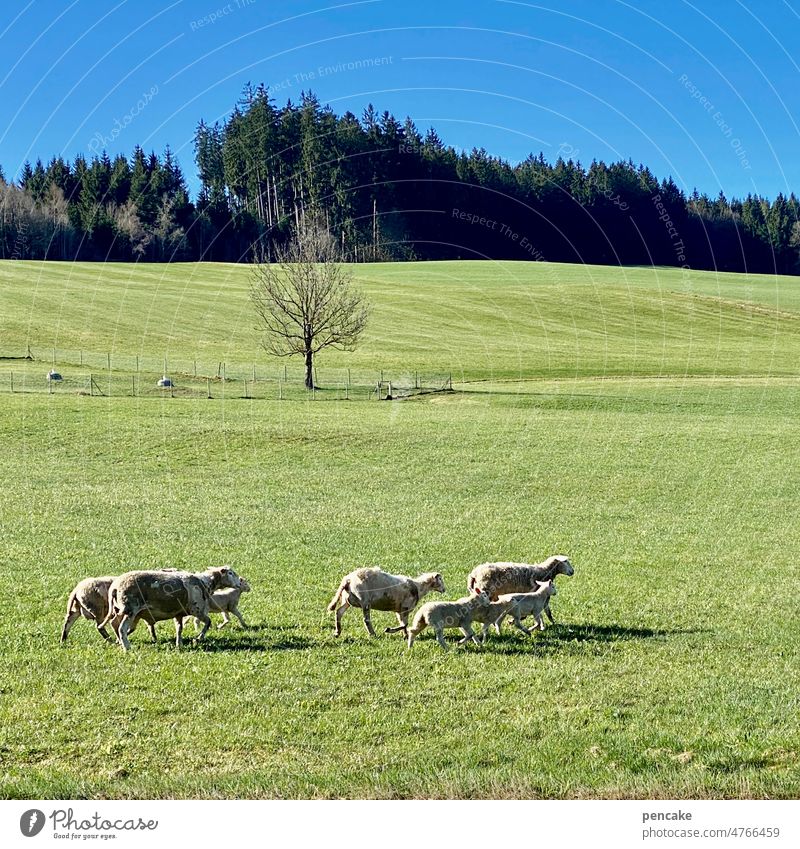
<point>496,591</point>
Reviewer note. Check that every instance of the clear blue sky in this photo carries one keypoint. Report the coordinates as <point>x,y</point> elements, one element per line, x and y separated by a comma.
<point>706,91</point>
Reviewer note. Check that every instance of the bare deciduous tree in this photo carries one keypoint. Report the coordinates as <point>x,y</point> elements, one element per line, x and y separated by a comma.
<point>305,300</point>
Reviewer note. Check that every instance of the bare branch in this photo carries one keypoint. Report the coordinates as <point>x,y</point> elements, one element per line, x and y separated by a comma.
<point>305,301</point>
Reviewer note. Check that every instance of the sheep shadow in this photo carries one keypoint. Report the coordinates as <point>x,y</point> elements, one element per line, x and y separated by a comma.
<point>560,638</point>
<point>243,641</point>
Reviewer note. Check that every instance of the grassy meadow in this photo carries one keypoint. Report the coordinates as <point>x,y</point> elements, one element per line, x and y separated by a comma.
<point>644,422</point>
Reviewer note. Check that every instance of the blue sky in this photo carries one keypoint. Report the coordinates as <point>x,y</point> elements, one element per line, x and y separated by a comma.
<point>706,91</point>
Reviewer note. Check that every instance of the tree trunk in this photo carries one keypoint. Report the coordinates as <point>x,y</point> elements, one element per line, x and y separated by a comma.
<point>309,370</point>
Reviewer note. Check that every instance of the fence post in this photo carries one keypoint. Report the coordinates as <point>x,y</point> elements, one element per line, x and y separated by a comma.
<point>195,368</point>
<point>208,387</point>
<point>347,392</point>
<point>137,363</point>
<point>254,372</point>
<point>416,380</point>
<point>133,384</point>
<point>284,374</point>
<point>348,378</point>
<point>280,390</point>
<point>450,381</point>
<point>54,356</point>
<point>245,388</point>
<point>91,385</point>
<point>81,356</point>
<point>12,381</point>
<point>223,372</point>
<point>108,357</point>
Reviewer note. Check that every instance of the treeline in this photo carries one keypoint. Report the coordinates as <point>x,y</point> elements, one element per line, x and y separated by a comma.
<point>386,191</point>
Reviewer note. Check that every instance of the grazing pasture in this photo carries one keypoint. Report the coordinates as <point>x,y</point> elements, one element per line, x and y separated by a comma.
<point>644,423</point>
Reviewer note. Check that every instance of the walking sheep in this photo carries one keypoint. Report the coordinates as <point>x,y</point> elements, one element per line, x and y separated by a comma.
<point>166,595</point>
<point>522,605</point>
<point>225,602</point>
<point>89,599</point>
<point>448,614</point>
<point>497,579</point>
<point>374,589</point>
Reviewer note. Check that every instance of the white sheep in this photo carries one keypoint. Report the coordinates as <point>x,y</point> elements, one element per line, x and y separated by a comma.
<point>448,614</point>
<point>497,579</point>
<point>89,599</point>
<point>227,601</point>
<point>374,589</point>
<point>491,615</point>
<point>165,595</point>
<point>522,605</point>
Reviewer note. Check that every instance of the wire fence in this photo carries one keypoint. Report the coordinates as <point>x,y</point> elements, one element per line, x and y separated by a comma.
<point>64,372</point>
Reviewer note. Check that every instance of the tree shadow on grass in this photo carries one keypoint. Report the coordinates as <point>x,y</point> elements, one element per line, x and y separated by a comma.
<point>566,638</point>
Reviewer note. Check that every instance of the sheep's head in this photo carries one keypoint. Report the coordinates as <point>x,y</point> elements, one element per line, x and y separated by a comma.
<point>245,586</point>
<point>480,599</point>
<point>434,580</point>
<point>560,565</point>
<point>224,576</point>
<point>550,585</point>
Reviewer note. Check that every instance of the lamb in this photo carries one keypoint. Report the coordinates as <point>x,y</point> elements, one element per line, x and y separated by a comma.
<point>448,614</point>
<point>166,595</point>
<point>491,615</point>
<point>90,600</point>
<point>374,589</point>
<point>522,605</point>
<point>503,578</point>
<point>227,601</point>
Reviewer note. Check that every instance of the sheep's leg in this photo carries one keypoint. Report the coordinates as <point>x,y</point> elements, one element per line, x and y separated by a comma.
<point>518,624</point>
<point>239,616</point>
<point>368,622</point>
<point>178,632</point>
<point>339,615</point>
<point>539,621</point>
<point>498,623</point>
<point>225,620</point>
<point>124,628</point>
<point>412,634</point>
<point>549,614</point>
<point>468,633</point>
<point>100,630</point>
<point>69,620</point>
<point>151,626</point>
<point>402,618</point>
<point>206,625</point>
<point>440,637</point>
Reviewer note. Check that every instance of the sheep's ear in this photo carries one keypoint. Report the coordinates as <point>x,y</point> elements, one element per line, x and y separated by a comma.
<point>477,590</point>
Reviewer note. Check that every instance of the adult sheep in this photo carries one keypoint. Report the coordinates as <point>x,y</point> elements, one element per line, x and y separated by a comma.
<point>89,599</point>
<point>374,589</point>
<point>166,595</point>
<point>496,579</point>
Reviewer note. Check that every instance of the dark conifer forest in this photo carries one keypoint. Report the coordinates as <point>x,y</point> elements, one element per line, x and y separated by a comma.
<point>387,190</point>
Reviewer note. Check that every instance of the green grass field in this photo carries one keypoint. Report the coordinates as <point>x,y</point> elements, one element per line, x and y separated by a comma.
<point>643,422</point>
